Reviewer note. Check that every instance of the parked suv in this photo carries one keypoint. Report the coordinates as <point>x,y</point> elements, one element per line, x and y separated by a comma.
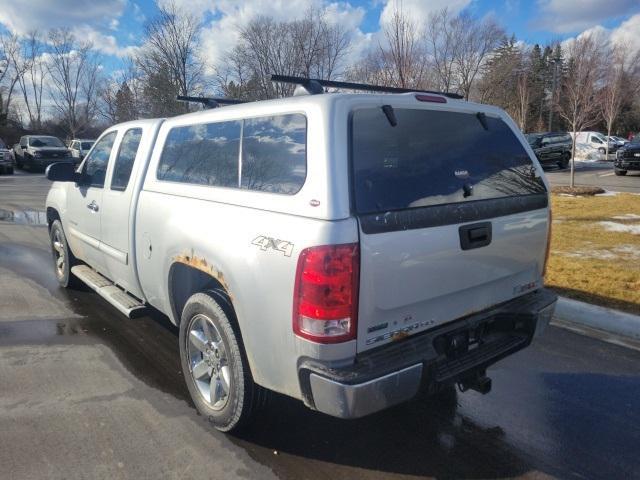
<point>551,148</point>
<point>346,250</point>
<point>6,159</point>
<point>79,148</point>
<point>38,151</point>
<point>628,157</point>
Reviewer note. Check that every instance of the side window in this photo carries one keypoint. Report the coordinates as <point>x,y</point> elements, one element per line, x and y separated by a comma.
<point>95,165</point>
<point>205,154</point>
<point>23,141</point>
<point>274,153</point>
<point>126,156</point>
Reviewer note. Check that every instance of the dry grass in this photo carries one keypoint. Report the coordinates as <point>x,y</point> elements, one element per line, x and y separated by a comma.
<point>591,263</point>
<point>580,190</point>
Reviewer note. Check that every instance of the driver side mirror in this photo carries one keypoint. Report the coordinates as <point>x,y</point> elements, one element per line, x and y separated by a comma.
<point>62,172</point>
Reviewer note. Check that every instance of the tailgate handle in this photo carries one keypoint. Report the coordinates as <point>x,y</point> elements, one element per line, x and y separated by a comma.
<point>475,235</point>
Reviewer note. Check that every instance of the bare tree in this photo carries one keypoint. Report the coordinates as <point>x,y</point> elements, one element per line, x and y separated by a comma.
<point>310,47</point>
<point>75,80</point>
<point>618,81</point>
<point>458,46</point>
<point>441,44</point>
<point>169,58</point>
<point>404,54</point>
<point>585,71</point>
<point>476,39</point>
<point>32,78</point>
<point>523,91</point>
<point>9,72</point>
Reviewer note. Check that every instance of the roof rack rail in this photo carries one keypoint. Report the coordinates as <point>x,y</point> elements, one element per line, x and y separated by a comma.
<point>210,102</point>
<point>315,85</point>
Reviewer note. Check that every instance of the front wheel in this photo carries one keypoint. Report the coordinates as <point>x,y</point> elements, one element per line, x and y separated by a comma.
<point>620,173</point>
<point>63,259</point>
<point>215,366</point>
<point>564,162</point>
<point>602,150</point>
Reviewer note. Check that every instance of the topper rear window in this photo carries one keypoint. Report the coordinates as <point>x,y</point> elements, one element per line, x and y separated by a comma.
<point>435,157</point>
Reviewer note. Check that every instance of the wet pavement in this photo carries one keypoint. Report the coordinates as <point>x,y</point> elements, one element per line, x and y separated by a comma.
<point>87,393</point>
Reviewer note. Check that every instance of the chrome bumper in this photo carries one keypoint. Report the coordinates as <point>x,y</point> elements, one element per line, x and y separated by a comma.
<point>353,401</point>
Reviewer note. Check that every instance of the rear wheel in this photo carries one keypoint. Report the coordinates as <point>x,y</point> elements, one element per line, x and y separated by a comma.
<point>10,170</point>
<point>602,150</point>
<point>63,259</point>
<point>564,162</point>
<point>619,172</point>
<point>215,366</point>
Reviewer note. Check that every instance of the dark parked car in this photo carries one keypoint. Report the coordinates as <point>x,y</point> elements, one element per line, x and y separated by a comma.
<point>551,148</point>
<point>38,151</point>
<point>6,159</point>
<point>628,157</point>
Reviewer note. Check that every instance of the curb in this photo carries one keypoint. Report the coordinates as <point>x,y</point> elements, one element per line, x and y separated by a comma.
<point>600,318</point>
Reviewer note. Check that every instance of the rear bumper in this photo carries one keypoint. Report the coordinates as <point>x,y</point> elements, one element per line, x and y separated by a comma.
<point>394,373</point>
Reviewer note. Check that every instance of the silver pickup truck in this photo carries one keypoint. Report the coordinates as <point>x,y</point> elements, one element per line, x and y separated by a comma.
<point>344,249</point>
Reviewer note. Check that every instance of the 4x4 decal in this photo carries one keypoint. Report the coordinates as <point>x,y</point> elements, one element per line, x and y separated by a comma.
<point>266,243</point>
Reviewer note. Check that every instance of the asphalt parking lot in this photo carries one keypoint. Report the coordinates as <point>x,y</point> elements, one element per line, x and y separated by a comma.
<point>598,174</point>
<point>87,393</point>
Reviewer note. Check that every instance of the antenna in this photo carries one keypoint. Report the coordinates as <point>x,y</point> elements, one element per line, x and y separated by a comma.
<point>314,86</point>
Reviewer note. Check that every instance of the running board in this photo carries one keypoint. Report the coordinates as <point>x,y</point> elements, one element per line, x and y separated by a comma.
<point>125,303</point>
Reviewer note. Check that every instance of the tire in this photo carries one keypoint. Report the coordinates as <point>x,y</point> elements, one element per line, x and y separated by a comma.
<point>602,150</point>
<point>563,163</point>
<point>10,170</point>
<point>620,173</point>
<point>60,250</point>
<point>18,164</point>
<point>211,346</point>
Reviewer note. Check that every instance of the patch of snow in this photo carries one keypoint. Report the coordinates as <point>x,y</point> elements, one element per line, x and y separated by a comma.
<point>621,227</point>
<point>607,193</point>
<point>627,216</point>
<point>624,252</point>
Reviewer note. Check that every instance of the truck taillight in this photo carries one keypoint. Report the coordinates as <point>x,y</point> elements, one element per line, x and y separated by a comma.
<point>546,255</point>
<point>325,301</point>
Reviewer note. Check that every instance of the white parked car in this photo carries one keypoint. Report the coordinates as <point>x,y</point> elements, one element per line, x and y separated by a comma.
<point>80,147</point>
<point>597,141</point>
<point>343,249</point>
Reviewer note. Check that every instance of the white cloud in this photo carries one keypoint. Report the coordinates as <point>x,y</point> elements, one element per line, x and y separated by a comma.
<point>565,16</point>
<point>626,34</point>
<point>22,16</point>
<point>106,44</point>
<point>419,10</point>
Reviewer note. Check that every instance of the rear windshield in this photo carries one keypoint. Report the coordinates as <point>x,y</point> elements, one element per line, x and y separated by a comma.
<point>434,157</point>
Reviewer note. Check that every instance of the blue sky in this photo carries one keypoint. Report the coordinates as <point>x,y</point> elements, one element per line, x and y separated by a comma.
<point>115,26</point>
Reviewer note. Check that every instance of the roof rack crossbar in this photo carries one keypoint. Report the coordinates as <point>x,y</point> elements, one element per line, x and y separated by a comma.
<point>210,102</point>
<point>310,84</point>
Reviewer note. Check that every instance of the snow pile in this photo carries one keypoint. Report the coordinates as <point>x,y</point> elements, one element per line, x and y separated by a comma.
<point>586,152</point>
<point>621,227</point>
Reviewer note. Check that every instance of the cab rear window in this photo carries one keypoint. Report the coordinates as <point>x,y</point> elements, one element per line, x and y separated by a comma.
<point>435,157</point>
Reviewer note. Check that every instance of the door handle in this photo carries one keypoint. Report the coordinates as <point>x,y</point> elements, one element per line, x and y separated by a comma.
<point>475,235</point>
<point>93,206</point>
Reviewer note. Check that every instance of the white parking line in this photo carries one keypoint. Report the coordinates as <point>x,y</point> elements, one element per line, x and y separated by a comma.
<point>606,174</point>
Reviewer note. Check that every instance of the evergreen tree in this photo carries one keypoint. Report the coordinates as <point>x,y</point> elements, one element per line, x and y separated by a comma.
<point>125,104</point>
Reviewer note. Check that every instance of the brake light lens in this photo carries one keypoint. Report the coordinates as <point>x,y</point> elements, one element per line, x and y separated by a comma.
<point>430,98</point>
<point>546,256</point>
<point>325,302</point>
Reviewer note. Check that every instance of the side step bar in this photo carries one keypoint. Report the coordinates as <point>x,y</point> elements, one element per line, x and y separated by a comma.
<point>125,303</point>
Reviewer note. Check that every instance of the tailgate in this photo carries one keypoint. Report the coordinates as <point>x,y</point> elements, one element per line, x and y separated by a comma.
<point>453,219</point>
